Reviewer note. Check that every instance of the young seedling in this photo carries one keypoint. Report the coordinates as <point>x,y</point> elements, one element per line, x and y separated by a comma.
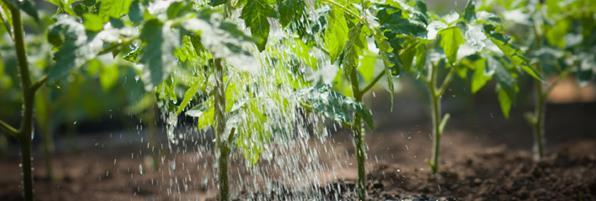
<point>435,49</point>
<point>557,38</point>
<point>345,43</point>
<point>12,20</point>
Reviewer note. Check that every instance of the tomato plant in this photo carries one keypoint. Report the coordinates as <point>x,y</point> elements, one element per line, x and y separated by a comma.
<point>246,85</point>
<point>12,20</point>
<point>556,37</point>
<point>435,49</point>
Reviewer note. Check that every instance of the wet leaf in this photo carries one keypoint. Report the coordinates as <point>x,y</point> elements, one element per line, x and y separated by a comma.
<point>290,11</point>
<point>336,34</point>
<point>114,8</point>
<point>152,37</point>
<point>470,11</point>
<point>451,39</point>
<point>255,14</point>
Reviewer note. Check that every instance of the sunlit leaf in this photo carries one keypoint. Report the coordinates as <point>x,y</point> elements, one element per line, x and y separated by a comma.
<point>480,76</point>
<point>72,52</point>
<point>506,98</point>
<point>188,95</point>
<point>336,34</point>
<point>290,11</point>
<point>92,22</point>
<point>255,14</point>
<point>451,39</point>
<point>114,8</point>
<point>6,17</point>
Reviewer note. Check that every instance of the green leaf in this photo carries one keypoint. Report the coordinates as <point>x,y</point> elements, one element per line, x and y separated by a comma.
<point>114,8</point>
<point>178,9</point>
<point>290,11</point>
<point>204,112</point>
<point>255,14</point>
<point>470,10</point>
<point>514,54</point>
<point>108,74</point>
<point>555,34</point>
<point>407,56</point>
<point>443,123</point>
<point>390,87</point>
<point>92,22</point>
<point>332,105</point>
<point>394,22</point>
<point>421,57</point>
<point>152,37</point>
<point>451,39</point>
<point>27,6</point>
<point>336,34</point>
<point>480,76</point>
<point>367,65</point>
<point>6,17</point>
<point>216,2</point>
<point>531,71</point>
<point>136,12</point>
<point>188,95</point>
<point>73,51</point>
<point>354,47</point>
<point>420,14</point>
<point>505,100</point>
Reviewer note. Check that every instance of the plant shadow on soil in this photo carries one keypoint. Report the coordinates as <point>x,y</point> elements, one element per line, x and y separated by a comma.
<point>492,165</point>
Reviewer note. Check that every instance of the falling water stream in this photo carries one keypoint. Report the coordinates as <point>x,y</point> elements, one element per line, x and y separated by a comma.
<point>277,152</point>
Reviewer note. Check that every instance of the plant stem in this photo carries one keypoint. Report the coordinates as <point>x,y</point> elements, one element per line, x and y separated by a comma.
<point>538,124</point>
<point>359,132</point>
<point>220,120</point>
<point>436,119</point>
<point>372,83</point>
<point>26,168</point>
<point>25,131</point>
<point>8,129</point>
<point>435,113</point>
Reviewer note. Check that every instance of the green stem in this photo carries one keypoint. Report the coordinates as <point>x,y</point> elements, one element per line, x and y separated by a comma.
<point>220,120</point>
<point>39,83</point>
<point>435,113</point>
<point>359,132</point>
<point>26,168</point>
<point>372,83</point>
<point>436,119</point>
<point>28,97</point>
<point>538,124</point>
<point>8,129</point>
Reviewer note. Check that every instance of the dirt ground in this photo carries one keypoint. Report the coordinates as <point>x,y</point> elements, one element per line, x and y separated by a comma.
<point>481,160</point>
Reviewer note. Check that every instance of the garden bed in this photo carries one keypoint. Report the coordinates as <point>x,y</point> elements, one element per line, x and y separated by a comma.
<point>490,174</point>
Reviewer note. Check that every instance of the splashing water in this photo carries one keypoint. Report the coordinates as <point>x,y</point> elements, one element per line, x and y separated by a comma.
<point>273,151</point>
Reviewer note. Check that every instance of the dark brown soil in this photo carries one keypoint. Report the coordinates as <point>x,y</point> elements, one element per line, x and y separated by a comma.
<point>569,174</point>
<point>478,162</point>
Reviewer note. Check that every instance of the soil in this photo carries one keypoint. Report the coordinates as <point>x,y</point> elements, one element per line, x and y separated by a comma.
<point>490,175</point>
<point>494,164</point>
